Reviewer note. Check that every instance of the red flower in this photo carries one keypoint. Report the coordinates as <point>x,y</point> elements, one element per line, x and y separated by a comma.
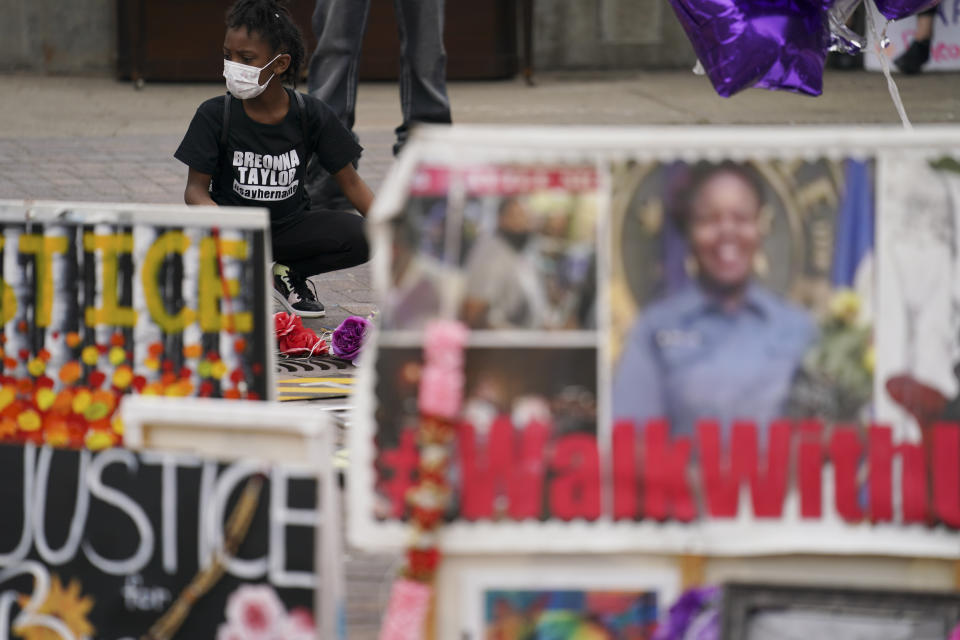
<point>284,323</point>
<point>421,561</point>
<point>427,518</point>
<point>923,402</point>
<point>96,379</point>
<point>304,342</point>
<point>295,339</point>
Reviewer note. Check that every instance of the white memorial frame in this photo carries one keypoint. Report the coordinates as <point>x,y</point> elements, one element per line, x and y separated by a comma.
<point>463,146</point>
<point>91,213</point>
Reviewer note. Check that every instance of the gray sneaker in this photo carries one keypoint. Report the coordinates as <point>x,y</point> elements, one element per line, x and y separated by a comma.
<point>295,293</point>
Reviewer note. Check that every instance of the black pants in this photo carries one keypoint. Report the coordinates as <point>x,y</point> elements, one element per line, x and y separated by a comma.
<point>319,241</point>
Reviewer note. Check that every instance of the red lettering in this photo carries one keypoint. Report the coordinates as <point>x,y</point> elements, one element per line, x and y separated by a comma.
<point>666,489</point>
<point>881,475</point>
<point>526,480</point>
<point>498,471</point>
<point>944,52</point>
<point>770,488</point>
<point>483,472</point>
<point>402,464</point>
<point>913,485</point>
<point>946,473</point>
<point>809,468</point>
<point>845,449</point>
<point>721,493</point>
<point>722,481</point>
<point>624,471</point>
<point>575,491</point>
<point>505,475</point>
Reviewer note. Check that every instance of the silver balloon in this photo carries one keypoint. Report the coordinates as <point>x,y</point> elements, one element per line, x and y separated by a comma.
<point>843,38</point>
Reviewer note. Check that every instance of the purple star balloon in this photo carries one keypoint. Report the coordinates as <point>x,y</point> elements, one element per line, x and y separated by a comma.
<point>897,9</point>
<point>773,44</point>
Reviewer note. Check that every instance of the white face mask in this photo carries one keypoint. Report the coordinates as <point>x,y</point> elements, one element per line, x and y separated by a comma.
<point>243,80</point>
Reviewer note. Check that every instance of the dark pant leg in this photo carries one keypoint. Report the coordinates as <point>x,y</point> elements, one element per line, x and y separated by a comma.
<point>320,241</point>
<point>423,65</point>
<point>339,26</point>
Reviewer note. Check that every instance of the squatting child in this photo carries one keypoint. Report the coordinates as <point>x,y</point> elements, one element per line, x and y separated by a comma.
<point>251,147</point>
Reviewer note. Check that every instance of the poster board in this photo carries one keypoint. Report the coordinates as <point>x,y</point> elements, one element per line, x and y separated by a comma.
<point>616,194</point>
<point>944,47</point>
<point>104,300</point>
<point>100,544</point>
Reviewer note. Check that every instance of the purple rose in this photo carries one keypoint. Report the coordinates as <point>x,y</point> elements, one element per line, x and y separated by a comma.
<point>694,615</point>
<point>348,338</point>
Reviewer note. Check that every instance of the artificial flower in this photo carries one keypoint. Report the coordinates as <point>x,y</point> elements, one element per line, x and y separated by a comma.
<point>693,616</point>
<point>348,338</point>
<point>256,610</point>
<point>294,339</point>
<point>444,341</point>
<point>441,392</point>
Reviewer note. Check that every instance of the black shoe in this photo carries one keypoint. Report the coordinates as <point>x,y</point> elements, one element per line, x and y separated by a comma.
<point>912,60</point>
<point>295,293</point>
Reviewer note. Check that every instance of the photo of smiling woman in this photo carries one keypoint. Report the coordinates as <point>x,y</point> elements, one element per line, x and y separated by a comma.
<point>723,346</point>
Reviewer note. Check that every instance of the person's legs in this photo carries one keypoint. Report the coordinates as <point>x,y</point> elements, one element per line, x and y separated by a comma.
<point>321,241</point>
<point>925,24</point>
<point>315,242</point>
<point>423,65</point>
<point>339,26</point>
<point>918,53</point>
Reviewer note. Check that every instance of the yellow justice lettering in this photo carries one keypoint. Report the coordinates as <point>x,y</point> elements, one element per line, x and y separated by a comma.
<point>8,299</point>
<point>169,242</point>
<point>110,313</point>
<point>211,288</point>
<point>44,248</point>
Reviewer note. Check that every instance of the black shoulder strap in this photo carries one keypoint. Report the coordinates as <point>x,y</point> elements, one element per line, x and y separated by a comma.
<point>225,126</point>
<point>303,113</point>
<point>301,105</point>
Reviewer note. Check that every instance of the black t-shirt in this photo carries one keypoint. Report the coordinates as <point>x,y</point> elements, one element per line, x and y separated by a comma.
<point>265,164</point>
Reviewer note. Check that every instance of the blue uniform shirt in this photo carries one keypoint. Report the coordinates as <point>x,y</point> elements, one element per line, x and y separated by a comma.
<point>687,359</point>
